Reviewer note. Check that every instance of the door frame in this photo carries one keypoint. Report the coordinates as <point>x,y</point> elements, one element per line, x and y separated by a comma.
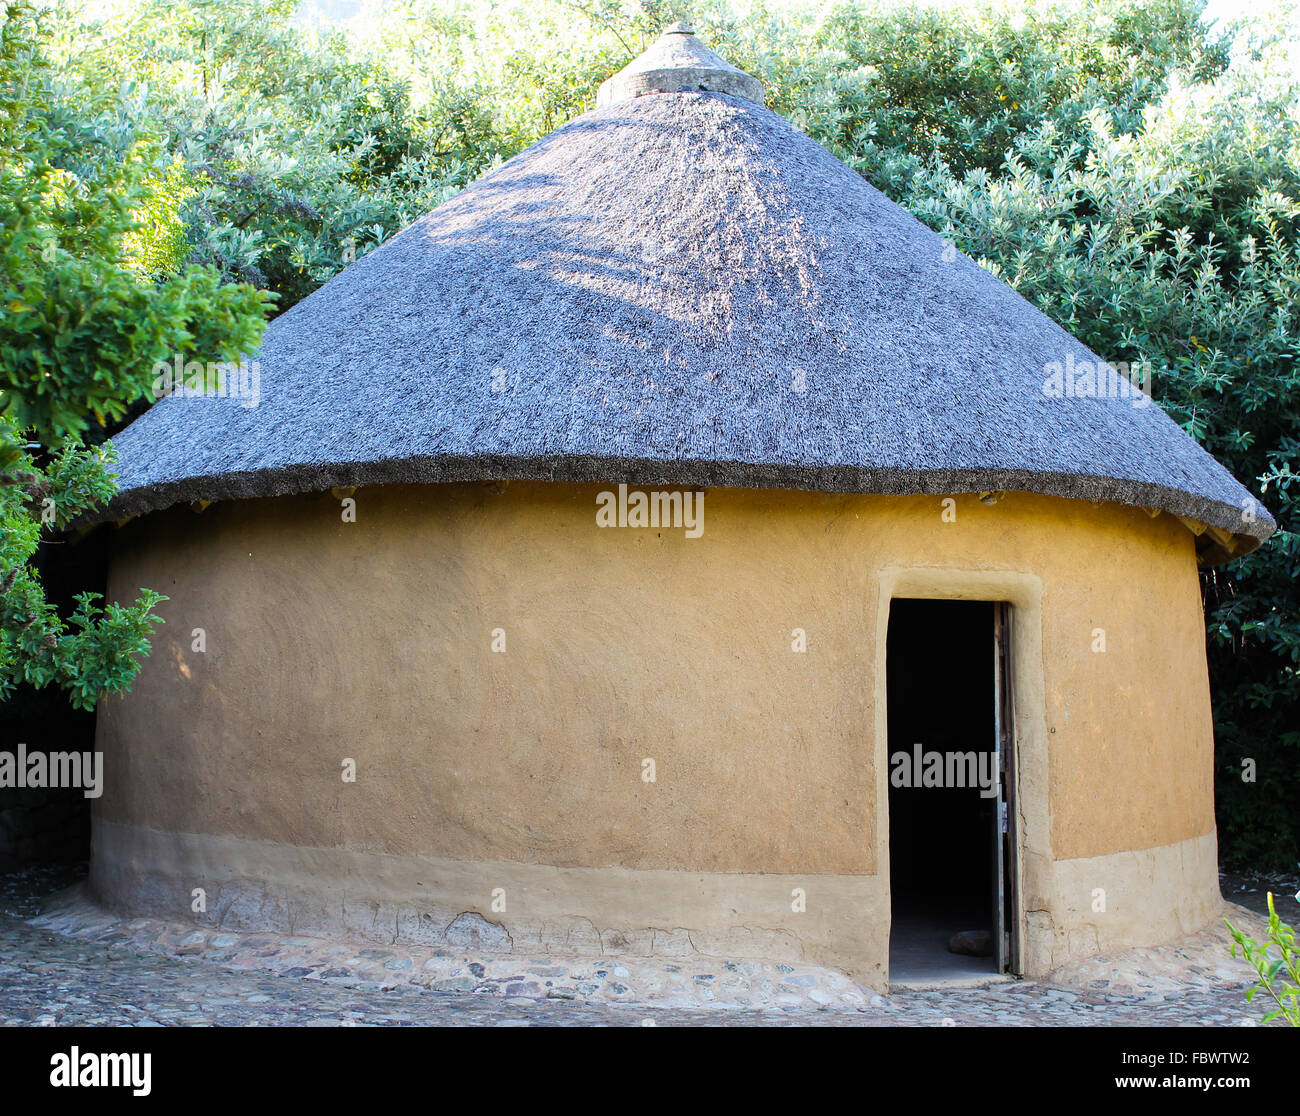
<point>1006,884</point>
<point>1028,774</point>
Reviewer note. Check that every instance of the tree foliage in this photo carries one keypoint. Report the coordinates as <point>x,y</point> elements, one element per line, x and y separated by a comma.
<point>90,298</point>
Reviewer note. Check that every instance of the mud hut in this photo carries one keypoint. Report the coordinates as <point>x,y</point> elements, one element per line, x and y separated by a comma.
<point>669,546</point>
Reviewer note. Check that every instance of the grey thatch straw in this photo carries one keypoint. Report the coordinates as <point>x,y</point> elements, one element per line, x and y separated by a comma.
<point>678,288</point>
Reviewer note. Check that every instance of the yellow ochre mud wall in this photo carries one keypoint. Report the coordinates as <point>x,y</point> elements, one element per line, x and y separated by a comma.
<point>519,778</point>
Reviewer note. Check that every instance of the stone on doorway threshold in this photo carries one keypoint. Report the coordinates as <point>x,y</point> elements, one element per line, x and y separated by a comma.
<point>971,943</point>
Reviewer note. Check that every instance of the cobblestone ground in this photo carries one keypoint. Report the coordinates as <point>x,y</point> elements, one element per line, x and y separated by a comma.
<point>49,979</point>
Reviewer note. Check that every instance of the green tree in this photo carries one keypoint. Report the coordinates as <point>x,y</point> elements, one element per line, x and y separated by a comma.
<point>301,153</point>
<point>89,300</point>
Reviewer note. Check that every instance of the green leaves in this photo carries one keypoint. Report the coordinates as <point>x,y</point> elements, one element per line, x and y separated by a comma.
<point>298,156</point>
<point>1279,977</point>
<point>95,652</point>
<point>92,294</point>
<point>87,207</point>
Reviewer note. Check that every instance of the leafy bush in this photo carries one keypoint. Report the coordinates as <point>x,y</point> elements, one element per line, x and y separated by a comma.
<point>94,651</point>
<point>90,298</point>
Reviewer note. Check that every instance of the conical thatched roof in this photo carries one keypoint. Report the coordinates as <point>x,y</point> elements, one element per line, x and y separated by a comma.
<point>676,288</point>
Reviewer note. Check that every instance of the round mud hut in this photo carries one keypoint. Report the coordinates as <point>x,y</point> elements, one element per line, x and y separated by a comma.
<point>670,547</point>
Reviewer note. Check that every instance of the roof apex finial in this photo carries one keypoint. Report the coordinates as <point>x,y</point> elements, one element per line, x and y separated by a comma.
<point>677,62</point>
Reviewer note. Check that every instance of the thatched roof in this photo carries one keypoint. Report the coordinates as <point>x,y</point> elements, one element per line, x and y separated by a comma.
<point>638,297</point>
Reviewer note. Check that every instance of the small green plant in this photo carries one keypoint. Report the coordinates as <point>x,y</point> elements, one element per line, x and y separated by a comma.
<point>1280,976</point>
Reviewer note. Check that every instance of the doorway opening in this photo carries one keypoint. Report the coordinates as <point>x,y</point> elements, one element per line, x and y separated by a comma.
<point>951,780</point>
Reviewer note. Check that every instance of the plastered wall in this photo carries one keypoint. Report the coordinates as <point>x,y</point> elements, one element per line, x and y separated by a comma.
<point>372,641</point>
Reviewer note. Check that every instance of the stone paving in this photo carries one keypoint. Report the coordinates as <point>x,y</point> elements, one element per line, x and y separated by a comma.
<point>141,973</point>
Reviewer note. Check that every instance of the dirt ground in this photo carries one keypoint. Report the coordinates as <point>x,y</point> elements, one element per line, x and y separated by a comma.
<point>1250,890</point>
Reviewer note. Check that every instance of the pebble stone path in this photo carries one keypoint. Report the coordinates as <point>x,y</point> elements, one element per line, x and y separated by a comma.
<point>49,978</point>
